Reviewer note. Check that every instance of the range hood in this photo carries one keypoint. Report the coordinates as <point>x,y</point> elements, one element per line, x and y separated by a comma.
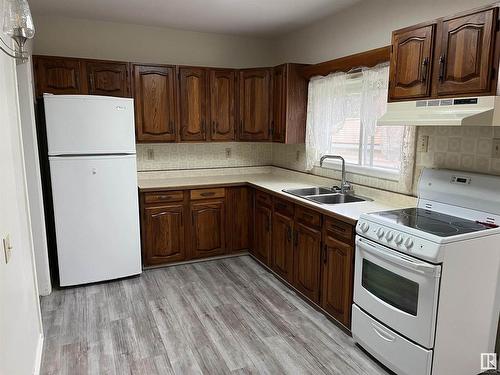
<point>476,111</point>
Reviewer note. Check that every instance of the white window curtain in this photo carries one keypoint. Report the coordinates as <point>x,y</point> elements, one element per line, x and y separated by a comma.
<point>329,106</point>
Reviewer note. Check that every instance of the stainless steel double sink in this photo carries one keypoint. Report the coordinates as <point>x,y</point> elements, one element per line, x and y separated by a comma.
<point>325,195</point>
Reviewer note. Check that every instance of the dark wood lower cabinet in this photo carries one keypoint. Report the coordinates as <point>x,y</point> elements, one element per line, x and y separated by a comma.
<point>282,254</point>
<point>307,260</point>
<point>337,283</point>
<point>163,234</point>
<point>262,233</point>
<point>180,225</point>
<point>208,232</point>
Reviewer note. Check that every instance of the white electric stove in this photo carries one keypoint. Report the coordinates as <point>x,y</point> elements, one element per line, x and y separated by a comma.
<point>426,281</point>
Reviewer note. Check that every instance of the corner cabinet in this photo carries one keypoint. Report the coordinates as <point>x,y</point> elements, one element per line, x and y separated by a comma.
<point>155,98</point>
<point>255,105</point>
<point>450,57</point>
<point>263,216</point>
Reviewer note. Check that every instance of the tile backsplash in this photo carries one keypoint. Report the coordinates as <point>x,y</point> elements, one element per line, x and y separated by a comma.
<point>171,156</point>
<point>460,148</point>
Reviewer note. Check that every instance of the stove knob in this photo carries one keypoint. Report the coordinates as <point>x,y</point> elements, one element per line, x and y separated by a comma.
<point>389,236</point>
<point>364,227</point>
<point>399,239</point>
<point>409,243</point>
<point>380,233</point>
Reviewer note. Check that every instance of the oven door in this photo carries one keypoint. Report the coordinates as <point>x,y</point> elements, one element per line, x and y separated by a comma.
<point>398,290</point>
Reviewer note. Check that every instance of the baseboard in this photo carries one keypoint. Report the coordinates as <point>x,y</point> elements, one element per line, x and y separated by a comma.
<point>38,357</point>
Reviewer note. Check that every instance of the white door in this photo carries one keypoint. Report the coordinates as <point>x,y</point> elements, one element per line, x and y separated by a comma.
<point>398,290</point>
<point>96,215</point>
<point>88,124</point>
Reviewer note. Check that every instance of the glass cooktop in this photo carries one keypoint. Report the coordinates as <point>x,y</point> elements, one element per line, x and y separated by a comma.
<point>432,222</point>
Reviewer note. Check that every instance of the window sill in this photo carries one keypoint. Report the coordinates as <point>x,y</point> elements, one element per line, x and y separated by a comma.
<point>362,170</point>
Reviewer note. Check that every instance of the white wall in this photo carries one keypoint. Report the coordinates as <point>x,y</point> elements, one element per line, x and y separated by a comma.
<point>20,322</point>
<point>109,40</point>
<point>364,26</point>
<point>33,176</point>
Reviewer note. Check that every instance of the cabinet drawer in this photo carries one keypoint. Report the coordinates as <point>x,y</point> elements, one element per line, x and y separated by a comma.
<point>207,193</point>
<point>263,198</point>
<point>307,217</point>
<point>283,207</point>
<point>161,197</point>
<point>339,230</point>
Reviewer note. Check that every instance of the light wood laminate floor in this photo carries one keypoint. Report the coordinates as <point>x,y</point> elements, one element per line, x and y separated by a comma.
<point>227,316</point>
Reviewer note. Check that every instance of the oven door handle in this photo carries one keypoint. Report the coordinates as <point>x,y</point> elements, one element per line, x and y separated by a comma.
<point>400,260</point>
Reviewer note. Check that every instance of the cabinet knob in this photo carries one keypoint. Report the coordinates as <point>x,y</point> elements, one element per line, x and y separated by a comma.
<point>442,60</point>
<point>425,68</point>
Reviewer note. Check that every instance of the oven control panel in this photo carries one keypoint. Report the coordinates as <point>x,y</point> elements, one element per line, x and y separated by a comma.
<point>399,240</point>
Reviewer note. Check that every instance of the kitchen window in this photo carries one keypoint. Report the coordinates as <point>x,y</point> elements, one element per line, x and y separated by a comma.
<point>342,113</point>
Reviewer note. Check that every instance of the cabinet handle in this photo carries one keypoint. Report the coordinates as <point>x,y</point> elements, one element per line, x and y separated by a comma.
<point>296,239</point>
<point>268,224</point>
<point>324,253</point>
<point>214,127</point>
<point>442,60</point>
<point>425,66</point>
<point>289,234</point>
<point>281,206</point>
<point>92,82</point>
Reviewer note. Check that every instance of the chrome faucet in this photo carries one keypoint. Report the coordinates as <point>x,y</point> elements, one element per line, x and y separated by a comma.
<point>345,187</point>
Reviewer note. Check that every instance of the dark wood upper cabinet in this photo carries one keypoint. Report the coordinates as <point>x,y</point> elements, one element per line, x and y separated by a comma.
<point>208,228</point>
<point>239,218</point>
<point>163,234</point>
<point>108,78</point>
<point>411,63</point>
<point>282,246</point>
<point>289,104</point>
<point>192,104</point>
<point>465,53</point>
<point>307,254</point>
<point>337,279</point>
<point>222,104</point>
<point>58,75</point>
<point>154,93</point>
<point>255,99</point>
<point>262,233</point>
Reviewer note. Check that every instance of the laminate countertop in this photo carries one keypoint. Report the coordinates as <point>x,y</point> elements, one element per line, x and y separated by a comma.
<point>274,180</point>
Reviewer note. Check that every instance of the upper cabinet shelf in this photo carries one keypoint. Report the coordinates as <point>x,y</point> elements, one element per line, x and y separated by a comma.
<point>450,57</point>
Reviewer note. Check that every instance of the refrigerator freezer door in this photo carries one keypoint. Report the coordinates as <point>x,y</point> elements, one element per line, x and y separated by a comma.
<point>87,124</point>
<point>96,215</point>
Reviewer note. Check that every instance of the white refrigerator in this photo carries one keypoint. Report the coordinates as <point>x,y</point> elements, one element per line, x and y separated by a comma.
<point>91,148</point>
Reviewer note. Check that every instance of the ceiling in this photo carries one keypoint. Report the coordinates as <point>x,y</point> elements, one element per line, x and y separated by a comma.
<point>262,18</point>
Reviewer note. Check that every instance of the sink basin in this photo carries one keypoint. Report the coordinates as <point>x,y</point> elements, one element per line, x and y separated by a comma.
<point>304,192</point>
<point>336,198</point>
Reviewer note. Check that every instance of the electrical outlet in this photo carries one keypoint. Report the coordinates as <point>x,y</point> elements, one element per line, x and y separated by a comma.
<point>423,143</point>
<point>297,156</point>
<point>495,149</point>
<point>151,154</point>
<point>7,248</point>
<point>228,153</point>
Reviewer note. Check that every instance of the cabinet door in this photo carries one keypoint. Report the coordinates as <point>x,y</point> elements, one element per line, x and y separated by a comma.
<point>465,54</point>
<point>410,70</point>
<point>337,283</point>
<point>208,229</point>
<point>108,78</point>
<point>239,218</point>
<point>307,261</point>
<point>58,75</point>
<point>192,103</point>
<point>254,105</point>
<point>262,228</point>
<point>154,94</point>
<point>222,104</point>
<point>282,257</point>
<point>163,234</point>
<point>278,124</point>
